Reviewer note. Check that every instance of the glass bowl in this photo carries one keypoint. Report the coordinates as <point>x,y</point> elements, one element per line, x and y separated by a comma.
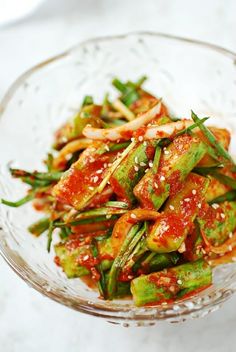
<point>188,75</point>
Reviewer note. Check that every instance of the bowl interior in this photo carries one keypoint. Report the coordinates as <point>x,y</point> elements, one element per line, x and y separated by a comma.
<point>188,75</point>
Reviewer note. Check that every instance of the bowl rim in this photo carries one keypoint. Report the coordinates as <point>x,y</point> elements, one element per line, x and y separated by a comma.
<point>82,305</point>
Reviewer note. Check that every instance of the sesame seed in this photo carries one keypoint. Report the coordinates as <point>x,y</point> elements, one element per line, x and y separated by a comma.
<point>145,143</point>
<point>182,248</point>
<point>95,179</point>
<point>99,171</point>
<point>105,165</point>
<point>230,234</point>
<point>149,124</point>
<point>230,248</point>
<point>130,277</point>
<point>222,215</point>
<point>136,168</point>
<point>166,152</point>
<point>107,148</point>
<point>133,216</point>
<point>164,303</point>
<point>140,138</point>
<point>146,170</point>
<point>187,199</point>
<point>215,206</point>
<point>203,250</point>
<point>91,188</point>
<point>162,178</point>
<point>150,164</point>
<point>109,164</point>
<point>199,205</point>
<point>156,185</point>
<point>209,262</point>
<point>172,288</point>
<point>171,207</point>
<point>179,282</point>
<point>194,191</point>
<point>86,257</point>
<point>136,160</point>
<point>108,216</point>
<point>142,164</point>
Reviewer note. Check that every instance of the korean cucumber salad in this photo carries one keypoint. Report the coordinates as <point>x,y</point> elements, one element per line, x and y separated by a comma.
<point>144,203</point>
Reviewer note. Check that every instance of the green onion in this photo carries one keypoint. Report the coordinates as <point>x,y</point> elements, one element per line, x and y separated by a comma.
<point>50,231</point>
<point>20,202</point>
<point>88,100</point>
<point>127,247</point>
<point>118,146</point>
<point>228,196</point>
<point>190,128</point>
<point>46,176</point>
<point>102,282</point>
<point>39,226</point>
<point>212,140</point>
<point>116,204</point>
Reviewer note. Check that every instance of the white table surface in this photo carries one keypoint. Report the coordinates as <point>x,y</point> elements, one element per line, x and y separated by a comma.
<point>28,321</point>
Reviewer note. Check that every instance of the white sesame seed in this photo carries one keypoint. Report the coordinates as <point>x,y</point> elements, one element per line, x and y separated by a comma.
<point>155,185</point>
<point>215,206</point>
<point>145,143</point>
<point>146,170</point>
<point>203,250</point>
<point>107,148</point>
<point>142,163</point>
<point>209,262</point>
<point>105,165</point>
<point>91,188</point>
<point>194,191</point>
<point>179,282</point>
<point>109,164</point>
<point>149,124</point>
<point>199,205</point>
<point>166,152</point>
<point>140,138</point>
<point>136,168</point>
<point>222,215</point>
<point>230,234</point>
<point>171,207</point>
<point>130,277</point>
<point>230,248</point>
<point>95,179</point>
<point>136,160</point>
<point>99,171</point>
<point>108,216</point>
<point>182,248</point>
<point>162,178</point>
<point>150,164</point>
<point>187,199</point>
<point>86,257</point>
<point>133,216</point>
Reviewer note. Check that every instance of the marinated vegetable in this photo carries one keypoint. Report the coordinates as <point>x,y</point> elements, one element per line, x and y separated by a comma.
<point>136,203</point>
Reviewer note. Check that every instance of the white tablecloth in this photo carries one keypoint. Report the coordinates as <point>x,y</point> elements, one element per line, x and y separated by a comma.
<point>30,322</point>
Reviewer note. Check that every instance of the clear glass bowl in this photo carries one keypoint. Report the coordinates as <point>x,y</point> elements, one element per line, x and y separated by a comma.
<point>186,73</point>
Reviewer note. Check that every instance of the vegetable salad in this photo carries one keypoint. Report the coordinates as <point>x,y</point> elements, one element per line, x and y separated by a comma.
<point>144,203</point>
